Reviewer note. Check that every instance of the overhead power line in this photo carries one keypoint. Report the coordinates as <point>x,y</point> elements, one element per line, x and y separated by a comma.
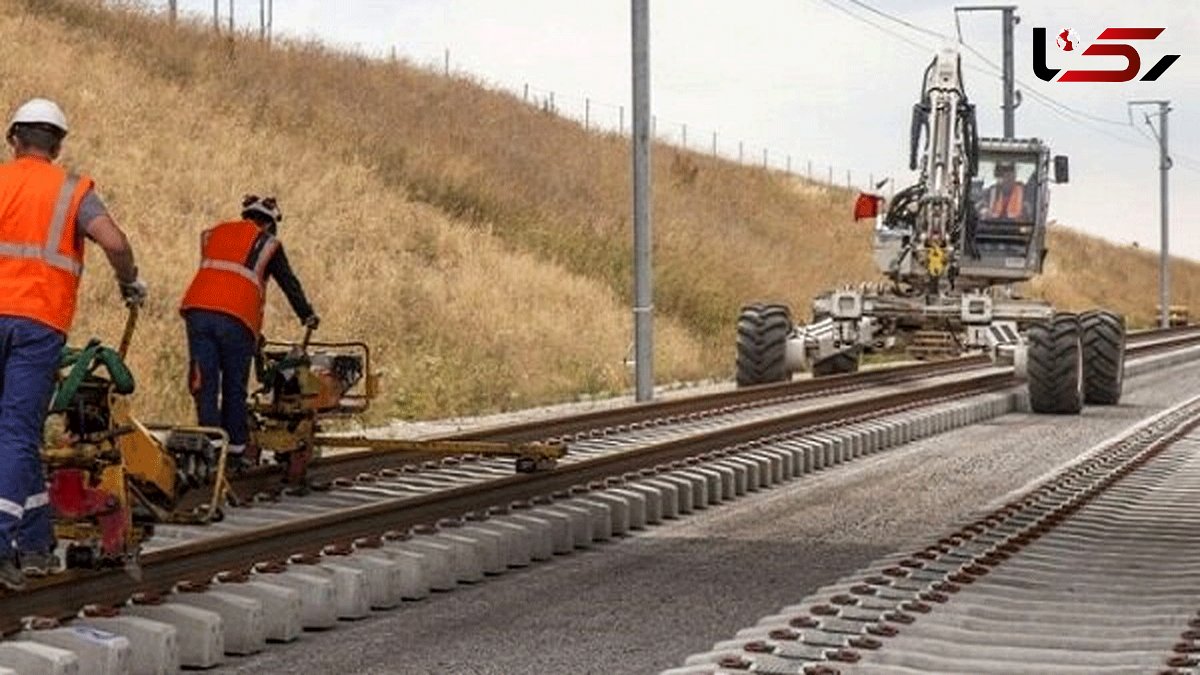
<point>1068,112</point>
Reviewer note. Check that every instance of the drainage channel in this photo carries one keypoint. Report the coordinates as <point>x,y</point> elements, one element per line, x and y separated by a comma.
<point>200,622</point>
<point>1090,572</point>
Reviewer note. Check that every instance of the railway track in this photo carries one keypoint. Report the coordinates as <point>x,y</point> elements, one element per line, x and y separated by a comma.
<point>377,503</point>
<point>597,425</point>
<point>1092,571</point>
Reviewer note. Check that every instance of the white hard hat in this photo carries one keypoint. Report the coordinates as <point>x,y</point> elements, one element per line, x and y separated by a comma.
<point>40,111</point>
<point>266,206</point>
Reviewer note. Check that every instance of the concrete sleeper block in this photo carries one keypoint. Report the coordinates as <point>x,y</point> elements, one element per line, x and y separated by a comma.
<point>154,645</point>
<point>99,652</point>
<point>34,658</point>
<point>437,560</point>
<point>318,598</point>
<point>242,619</point>
<point>281,607</point>
<point>201,635</point>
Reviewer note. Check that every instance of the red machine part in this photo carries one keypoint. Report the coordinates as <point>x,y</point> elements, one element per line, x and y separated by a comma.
<point>73,499</point>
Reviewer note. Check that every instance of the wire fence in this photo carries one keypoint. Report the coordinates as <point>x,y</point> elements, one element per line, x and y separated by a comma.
<point>256,16</point>
<point>606,117</point>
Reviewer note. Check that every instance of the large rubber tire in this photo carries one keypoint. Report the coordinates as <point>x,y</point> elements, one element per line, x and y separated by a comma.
<point>841,363</point>
<point>1103,356</point>
<point>762,334</point>
<point>1055,366</point>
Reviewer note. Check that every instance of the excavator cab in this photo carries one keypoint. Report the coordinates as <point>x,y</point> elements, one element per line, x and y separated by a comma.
<point>1006,226</point>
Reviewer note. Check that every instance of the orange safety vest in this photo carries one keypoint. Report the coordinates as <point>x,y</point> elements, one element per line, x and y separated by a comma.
<point>233,272</point>
<point>41,258</point>
<point>1010,208</point>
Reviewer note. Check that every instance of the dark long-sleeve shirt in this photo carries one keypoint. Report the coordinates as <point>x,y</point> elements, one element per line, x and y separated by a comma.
<point>279,269</point>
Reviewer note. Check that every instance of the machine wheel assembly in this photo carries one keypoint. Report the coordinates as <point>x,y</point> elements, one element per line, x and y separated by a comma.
<point>1103,356</point>
<point>838,364</point>
<point>1055,366</point>
<point>762,337</point>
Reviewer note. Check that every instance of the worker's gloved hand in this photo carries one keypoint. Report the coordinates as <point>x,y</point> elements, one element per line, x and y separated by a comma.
<point>312,321</point>
<point>134,292</point>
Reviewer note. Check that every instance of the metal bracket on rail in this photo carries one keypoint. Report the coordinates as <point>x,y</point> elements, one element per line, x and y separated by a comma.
<point>531,457</point>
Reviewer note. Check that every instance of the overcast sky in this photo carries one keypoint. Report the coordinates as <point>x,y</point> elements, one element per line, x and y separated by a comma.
<point>804,78</point>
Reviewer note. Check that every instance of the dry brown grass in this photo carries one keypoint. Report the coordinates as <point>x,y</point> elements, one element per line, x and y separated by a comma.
<point>482,245</point>
<point>1083,271</point>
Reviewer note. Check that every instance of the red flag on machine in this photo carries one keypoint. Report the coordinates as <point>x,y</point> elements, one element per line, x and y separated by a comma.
<point>866,206</point>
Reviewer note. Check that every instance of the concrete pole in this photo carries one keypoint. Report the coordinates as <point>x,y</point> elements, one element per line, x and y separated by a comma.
<point>643,308</point>
<point>1010,102</point>
<point>1164,210</point>
<point>1164,260</point>
<point>1009,21</point>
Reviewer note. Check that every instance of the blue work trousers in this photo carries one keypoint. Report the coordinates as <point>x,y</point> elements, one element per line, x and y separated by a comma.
<point>221,350</point>
<point>29,357</point>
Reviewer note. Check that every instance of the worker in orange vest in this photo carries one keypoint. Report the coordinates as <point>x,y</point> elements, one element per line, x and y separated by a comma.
<point>45,214</point>
<point>223,312</point>
<point>1005,199</point>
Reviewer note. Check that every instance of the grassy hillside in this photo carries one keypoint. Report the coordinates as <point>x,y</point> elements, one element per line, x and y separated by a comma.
<point>481,245</point>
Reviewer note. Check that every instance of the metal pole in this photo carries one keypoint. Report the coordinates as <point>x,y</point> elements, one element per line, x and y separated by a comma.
<point>714,149</point>
<point>621,120</point>
<point>217,15</point>
<point>741,152</point>
<point>1164,263</point>
<point>525,96</point>
<point>231,17</point>
<point>1009,21</point>
<point>764,158</point>
<point>684,137</point>
<point>587,114</point>
<point>262,19</point>
<point>1164,210</point>
<point>1010,106</point>
<point>643,308</point>
<point>789,165</point>
<point>446,68</point>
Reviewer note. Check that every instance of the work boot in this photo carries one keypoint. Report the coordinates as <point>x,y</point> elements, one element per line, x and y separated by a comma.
<point>239,464</point>
<point>10,576</point>
<point>40,564</point>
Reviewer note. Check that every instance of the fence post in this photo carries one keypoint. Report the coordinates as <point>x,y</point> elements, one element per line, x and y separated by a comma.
<point>831,175</point>
<point>741,153</point>
<point>810,170</point>
<point>789,165</point>
<point>621,120</point>
<point>685,136</point>
<point>553,108</point>
<point>654,126</point>
<point>525,96</point>
<point>847,179</point>
<point>714,149</point>
<point>447,62</point>
<point>764,158</point>
<point>587,114</point>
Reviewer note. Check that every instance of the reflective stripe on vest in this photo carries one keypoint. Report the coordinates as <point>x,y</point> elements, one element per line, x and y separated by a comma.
<point>48,252</point>
<point>256,274</point>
